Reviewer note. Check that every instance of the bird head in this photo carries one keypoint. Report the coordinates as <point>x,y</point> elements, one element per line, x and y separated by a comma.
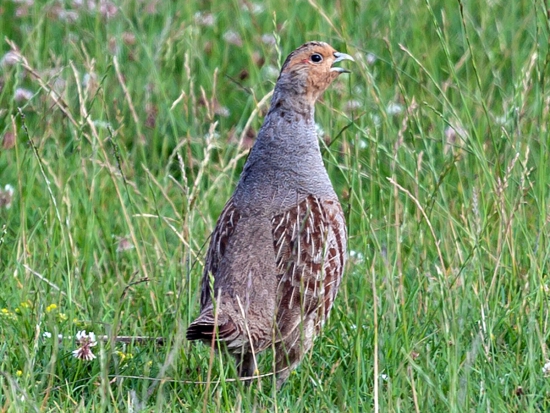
<point>310,69</point>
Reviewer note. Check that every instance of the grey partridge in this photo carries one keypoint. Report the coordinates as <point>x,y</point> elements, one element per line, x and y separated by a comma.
<point>277,254</point>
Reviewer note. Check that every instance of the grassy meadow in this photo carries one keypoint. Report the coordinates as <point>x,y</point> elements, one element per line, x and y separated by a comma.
<point>123,129</point>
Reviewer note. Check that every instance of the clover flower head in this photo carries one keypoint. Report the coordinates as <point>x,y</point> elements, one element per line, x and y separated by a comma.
<point>85,342</point>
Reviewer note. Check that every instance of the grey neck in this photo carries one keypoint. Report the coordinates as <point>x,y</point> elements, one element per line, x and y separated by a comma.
<point>285,164</point>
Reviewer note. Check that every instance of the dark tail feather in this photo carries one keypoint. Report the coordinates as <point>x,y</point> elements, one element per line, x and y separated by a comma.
<point>203,329</point>
<point>199,331</point>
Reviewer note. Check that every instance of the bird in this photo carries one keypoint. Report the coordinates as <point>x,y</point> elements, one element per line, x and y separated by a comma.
<point>278,250</point>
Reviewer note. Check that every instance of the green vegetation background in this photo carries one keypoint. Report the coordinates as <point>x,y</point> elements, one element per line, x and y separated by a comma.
<point>124,127</point>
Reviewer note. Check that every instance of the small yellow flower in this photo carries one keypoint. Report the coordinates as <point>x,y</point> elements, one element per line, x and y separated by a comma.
<point>51,307</point>
<point>123,356</point>
<point>18,373</point>
<point>24,304</point>
<point>4,312</point>
<point>149,363</point>
<point>62,317</point>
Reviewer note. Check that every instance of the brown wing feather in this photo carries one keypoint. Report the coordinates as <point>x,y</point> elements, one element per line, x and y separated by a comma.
<point>225,227</point>
<point>310,248</point>
<point>203,327</point>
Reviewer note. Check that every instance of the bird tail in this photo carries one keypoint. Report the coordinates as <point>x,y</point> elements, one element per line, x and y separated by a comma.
<point>204,328</point>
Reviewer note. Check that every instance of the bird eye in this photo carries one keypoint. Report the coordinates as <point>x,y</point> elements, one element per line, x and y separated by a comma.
<point>316,58</point>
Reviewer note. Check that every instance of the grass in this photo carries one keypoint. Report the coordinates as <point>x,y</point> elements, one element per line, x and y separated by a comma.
<point>131,125</point>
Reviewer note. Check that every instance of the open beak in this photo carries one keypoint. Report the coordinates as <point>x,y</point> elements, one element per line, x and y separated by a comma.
<point>339,57</point>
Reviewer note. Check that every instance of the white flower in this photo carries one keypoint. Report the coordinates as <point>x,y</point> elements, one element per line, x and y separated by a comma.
<point>233,37</point>
<point>452,133</point>
<point>376,119</point>
<point>85,341</point>
<point>67,15</point>
<point>124,244</point>
<point>222,111</point>
<point>107,9</point>
<point>11,58</point>
<point>47,334</point>
<point>270,71</point>
<point>255,8</point>
<point>205,19</point>
<point>371,59</point>
<point>6,196</point>
<point>358,256</point>
<point>22,95</point>
<point>269,39</point>
<point>88,80</point>
<point>101,124</point>
<point>319,130</point>
<point>501,120</point>
<point>454,136</point>
<point>9,189</point>
<point>546,368</point>
<point>353,104</point>
<point>394,109</point>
